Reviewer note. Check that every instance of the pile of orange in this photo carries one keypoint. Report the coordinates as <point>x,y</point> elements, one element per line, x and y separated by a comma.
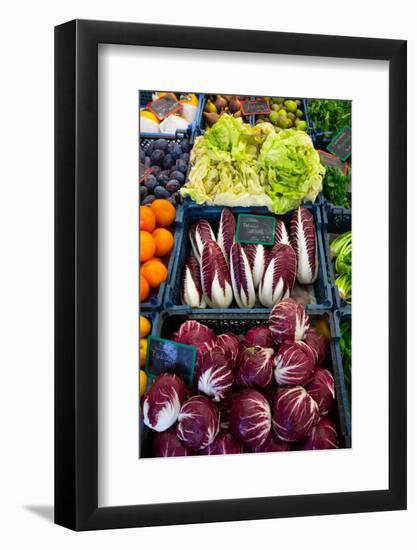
<point>156,240</point>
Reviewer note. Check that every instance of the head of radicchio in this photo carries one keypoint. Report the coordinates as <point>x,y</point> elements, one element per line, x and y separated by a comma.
<point>214,373</point>
<point>230,343</point>
<point>163,401</point>
<point>294,413</point>
<point>167,444</point>
<point>224,444</point>
<point>303,240</point>
<point>259,335</point>
<point>322,435</point>
<point>288,322</point>
<point>294,364</point>
<point>195,334</point>
<point>254,368</point>
<point>198,422</point>
<point>317,343</point>
<point>250,417</point>
<point>321,388</point>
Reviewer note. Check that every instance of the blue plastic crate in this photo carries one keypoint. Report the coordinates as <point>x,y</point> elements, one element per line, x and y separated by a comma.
<point>155,302</point>
<point>240,322</point>
<point>340,316</point>
<point>192,212</point>
<point>145,97</point>
<point>336,220</point>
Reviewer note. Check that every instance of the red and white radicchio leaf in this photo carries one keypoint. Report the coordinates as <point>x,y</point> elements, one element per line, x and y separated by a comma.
<point>303,240</point>
<point>281,234</point>
<point>250,417</point>
<point>200,233</point>
<point>226,234</point>
<point>294,364</point>
<point>321,388</point>
<point>191,291</point>
<point>279,276</point>
<point>195,334</point>
<point>257,255</point>
<point>224,444</point>
<point>317,343</point>
<point>321,436</point>
<point>272,445</point>
<point>294,413</point>
<point>215,277</point>
<point>241,275</point>
<point>254,367</point>
<point>214,373</point>
<point>229,342</point>
<point>198,422</point>
<point>163,401</point>
<point>166,444</point>
<point>288,322</point>
<point>259,336</point>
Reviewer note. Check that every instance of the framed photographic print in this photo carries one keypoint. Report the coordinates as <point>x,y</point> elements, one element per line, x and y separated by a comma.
<point>230,275</point>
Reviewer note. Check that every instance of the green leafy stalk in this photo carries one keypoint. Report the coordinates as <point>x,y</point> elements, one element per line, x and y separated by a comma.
<point>329,115</point>
<point>335,187</point>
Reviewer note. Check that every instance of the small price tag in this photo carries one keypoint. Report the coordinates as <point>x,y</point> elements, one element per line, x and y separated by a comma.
<point>171,357</point>
<point>341,145</point>
<point>255,107</point>
<point>143,172</point>
<point>255,229</point>
<point>331,160</point>
<point>164,106</point>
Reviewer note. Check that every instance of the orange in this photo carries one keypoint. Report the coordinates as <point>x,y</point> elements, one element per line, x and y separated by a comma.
<point>146,246</point>
<point>164,241</point>
<point>142,382</point>
<point>164,212</point>
<point>144,289</point>
<point>144,326</point>
<point>154,272</point>
<point>143,349</point>
<point>147,218</point>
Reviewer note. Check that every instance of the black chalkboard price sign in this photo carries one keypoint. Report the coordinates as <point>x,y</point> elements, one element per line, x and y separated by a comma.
<point>164,106</point>
<point>331,160</point>
<point>171,357</point>
<point>255,107</point>
<point>341,145</point>
<point>255,229</point>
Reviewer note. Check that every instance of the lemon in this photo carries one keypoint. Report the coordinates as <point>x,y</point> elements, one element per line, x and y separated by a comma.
<point>143,347</point>
<point>148,122</point>
<point>144,326</point>
<point>142,382</point>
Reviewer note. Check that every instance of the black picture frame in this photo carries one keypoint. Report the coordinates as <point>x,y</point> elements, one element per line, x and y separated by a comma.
<point>76,270</point>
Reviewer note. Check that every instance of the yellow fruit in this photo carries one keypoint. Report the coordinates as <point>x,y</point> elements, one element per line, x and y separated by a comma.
<point>143,348</point>
<point>144,326</point>
<point>142,382</point>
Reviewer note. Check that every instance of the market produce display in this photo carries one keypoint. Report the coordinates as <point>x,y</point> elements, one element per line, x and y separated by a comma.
<point>246,397</point>
<point>244,208</point>
<point>222,272</point>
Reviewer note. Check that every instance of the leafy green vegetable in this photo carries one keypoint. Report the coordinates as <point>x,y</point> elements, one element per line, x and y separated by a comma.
<point>341,253</point>
<point>346,350</point>
<point>335,187</point>
<point>329,115</point>
<point>293,168</point>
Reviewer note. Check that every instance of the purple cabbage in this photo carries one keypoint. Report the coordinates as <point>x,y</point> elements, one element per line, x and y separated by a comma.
<point>294,413</point>
<point>198,422</point>
<point>224,444</point>
<point>259,336</point>
<point>166,444</point>
<point>214,373</point>
<point>272,445</point>
<point>317,343</point>
<point>322,435</point>
<point>230,343</point>
<point>241,276</point>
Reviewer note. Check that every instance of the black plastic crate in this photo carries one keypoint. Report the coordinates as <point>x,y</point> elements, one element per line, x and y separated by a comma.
<point>240,323</point>
<point>343,315</point>
<point>193,212</point>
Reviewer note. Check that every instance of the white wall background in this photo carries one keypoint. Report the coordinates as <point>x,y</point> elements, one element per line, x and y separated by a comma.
<point>26,274</point>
